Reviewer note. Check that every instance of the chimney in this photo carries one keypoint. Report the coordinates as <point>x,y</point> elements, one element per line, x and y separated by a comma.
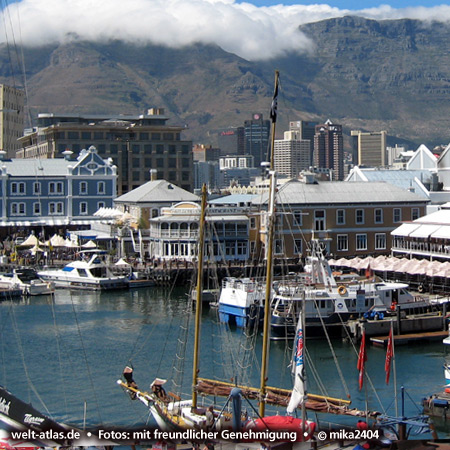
<point>67,154</point>
<point>153,174</point>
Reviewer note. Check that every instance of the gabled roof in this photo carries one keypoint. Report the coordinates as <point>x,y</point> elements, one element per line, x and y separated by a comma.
<point>340,192</point>
<point>158,191</point>
<point>405,179</point>
<point>444,159</point>
<point>422,159</point>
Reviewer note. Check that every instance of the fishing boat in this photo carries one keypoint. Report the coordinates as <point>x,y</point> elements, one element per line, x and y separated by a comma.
<point>28,281</point>
<point>90,273</point>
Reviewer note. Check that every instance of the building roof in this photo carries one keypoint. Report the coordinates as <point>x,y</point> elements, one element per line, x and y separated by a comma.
<point>340,192</point>
<point>233,199</point>
<point>158,191</point>
<point>405,179</point>
<point>37,167</point>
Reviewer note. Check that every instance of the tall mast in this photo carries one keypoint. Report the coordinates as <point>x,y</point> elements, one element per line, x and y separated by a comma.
<point>198,305</point>
<point>269,253</point>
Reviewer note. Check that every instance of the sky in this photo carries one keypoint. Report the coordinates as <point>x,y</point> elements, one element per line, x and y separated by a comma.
<point>252,29</point>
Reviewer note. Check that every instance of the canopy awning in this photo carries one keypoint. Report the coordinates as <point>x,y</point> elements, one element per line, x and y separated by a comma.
<point>442,233</point>
<point>424,231</point>
<point>405,229</point>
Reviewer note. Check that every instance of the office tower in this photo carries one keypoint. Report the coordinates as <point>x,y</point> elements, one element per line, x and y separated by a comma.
<point>11,119</point>
<point>232,141</point>
<point>329,149</point>
<point>257,133</point>
<point>291,154</point>
<point>369,149</point>
<point>307,132</point>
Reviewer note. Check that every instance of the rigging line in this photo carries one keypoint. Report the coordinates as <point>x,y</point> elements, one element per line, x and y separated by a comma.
<point>58,351</point>
<point>22,355</point>
<point>374,390</point>
<point>338,367</point>
<point>85,357</point>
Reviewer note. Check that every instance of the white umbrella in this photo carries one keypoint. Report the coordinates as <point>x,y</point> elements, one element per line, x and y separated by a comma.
<point>89,244</point>
<point>71,244</point>
<point>31,241</point>
<point>121,262</point>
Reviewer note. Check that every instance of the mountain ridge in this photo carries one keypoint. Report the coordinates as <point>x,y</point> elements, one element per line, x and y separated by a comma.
<point>362,73</point>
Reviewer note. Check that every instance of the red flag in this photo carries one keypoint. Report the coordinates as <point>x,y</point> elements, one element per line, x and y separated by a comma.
<point>389,356</point>
<point>362,358</point>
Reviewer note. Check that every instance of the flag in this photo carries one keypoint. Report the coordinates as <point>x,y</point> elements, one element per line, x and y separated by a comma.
<point>274,105</point>
<point>389,356</point>
<point>362,358</point>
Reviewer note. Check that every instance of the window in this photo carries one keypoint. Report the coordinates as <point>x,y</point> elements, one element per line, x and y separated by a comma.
<point>83,187</point>
<point>36,188</point>
<point>143,136</point>
<point>100,205</point>
<point>253,223</point>
<point>101,187</point>
<point>55,208</point>
<point>83,208</point>
<point>18,188</point>
<point>36,209</point>
<point>298,218</point>
<point>319,220</point>
<point>298,246</point>
<point>85,135</point>
<point>136,163</point>
<point>55,187</point>
<point>278,247</point>
<point>159,149</point>
<point>72,135</point>
<point>156,136</point>
<point>17,209</point>
<point>415,213</point>
<point>342,242</point>
<point>397,215</point>
<point>378,215</point>
<point>380,241</point>
<point>361,242</point>
<point>242,248</point>
<point>340,217</point>
<point>359,216</point>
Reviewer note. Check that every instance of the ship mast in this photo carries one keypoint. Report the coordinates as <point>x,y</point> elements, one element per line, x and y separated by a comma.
<point>269,253</point>
<point>198,305</point>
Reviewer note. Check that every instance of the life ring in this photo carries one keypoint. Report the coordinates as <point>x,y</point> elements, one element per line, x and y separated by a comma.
<point>342,290</point>
<point>393,306</point>
<point>420,288</point>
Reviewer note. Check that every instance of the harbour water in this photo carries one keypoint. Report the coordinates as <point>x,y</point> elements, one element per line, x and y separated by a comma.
<point>64,354</point>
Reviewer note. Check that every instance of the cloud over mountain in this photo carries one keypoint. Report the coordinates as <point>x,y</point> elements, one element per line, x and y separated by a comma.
<point>252,32</point>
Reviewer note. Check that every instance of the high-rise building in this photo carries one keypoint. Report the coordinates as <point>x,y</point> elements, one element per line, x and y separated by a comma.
<point>329,149</point>
<point>257,133</point>
<point>291,154</point>
<point>11,119</point>
<point>232,141</point>
<point>369,148</point>
<point>307,132</point>
<point>136,144</point>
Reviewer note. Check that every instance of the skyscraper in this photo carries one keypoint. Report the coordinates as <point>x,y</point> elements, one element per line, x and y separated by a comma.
<point>291,154</point>
<point>307,131</point>
<point>329,148</point>
<point>369,149</point>
<point>257,132</point>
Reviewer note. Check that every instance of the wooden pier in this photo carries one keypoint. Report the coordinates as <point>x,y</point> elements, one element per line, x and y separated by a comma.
<point>405,339</point>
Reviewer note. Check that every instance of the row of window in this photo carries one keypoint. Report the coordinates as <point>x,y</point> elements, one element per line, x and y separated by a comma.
<point>135,149</point>
<point>101,135</point>
<point>361,242</point>
<point>360,217</point>
<point>54,208</point>
<point>54,187</point>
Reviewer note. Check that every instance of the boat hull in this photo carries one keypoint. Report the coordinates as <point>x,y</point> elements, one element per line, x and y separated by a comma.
<point>96,284</point>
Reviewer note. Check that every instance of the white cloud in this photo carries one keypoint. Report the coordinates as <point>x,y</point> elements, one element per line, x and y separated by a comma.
<point>244,29</point>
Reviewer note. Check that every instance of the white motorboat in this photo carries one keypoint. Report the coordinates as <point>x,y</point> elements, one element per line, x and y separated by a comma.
<point>28,281</point>
<point>92,274</point>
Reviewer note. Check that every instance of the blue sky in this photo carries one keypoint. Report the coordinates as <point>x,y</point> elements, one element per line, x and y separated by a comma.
<point>350,4</point>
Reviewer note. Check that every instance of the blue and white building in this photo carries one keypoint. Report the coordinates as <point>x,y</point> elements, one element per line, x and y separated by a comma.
<point>60,191</point>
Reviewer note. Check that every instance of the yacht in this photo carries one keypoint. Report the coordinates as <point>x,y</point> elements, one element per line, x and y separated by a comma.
<point>90,273</point>
<point>28,281</point>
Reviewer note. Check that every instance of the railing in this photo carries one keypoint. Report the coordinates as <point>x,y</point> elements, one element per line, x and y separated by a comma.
<point>421,248</point>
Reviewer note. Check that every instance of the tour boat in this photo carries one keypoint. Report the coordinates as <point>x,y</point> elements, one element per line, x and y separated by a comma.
<point>28,281</point>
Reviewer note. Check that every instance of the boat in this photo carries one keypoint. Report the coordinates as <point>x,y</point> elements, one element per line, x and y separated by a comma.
<point>171,412</point>
<point>332,300</point>
<point>91,273</point>
<point>28,281</point>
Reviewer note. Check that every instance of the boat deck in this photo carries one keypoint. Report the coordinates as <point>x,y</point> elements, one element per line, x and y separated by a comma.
<point>404,339</point>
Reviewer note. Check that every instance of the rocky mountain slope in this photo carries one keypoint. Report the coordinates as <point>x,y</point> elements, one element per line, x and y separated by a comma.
<point>365,74</point>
